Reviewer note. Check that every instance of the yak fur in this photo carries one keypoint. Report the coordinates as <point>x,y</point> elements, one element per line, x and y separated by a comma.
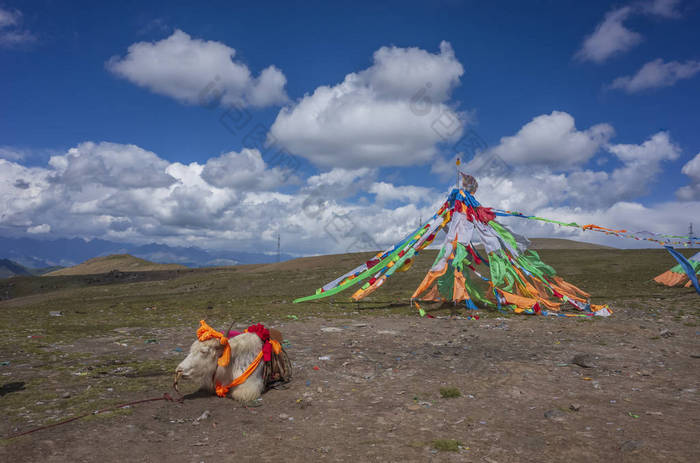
<point>201,366</point>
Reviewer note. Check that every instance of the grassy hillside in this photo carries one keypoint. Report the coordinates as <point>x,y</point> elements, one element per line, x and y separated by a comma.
<point>10,268</point>
<point>120,262</point>
<point>265,291</point>
<point>558,243</point>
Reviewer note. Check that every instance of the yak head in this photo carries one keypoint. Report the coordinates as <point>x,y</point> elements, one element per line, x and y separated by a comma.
<point>200,364</point>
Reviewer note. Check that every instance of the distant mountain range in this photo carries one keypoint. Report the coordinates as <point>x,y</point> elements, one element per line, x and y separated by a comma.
<point>39,254</point>
<point>10,268</point>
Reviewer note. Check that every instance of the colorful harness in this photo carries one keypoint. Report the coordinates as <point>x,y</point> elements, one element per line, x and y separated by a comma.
<point>206,332</point>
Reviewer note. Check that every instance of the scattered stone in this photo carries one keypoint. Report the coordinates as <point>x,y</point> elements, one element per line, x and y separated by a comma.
<point>65,395</point>
<point>555,415</point>
<point>325,357</point>
<point>388,332</point>
<point>631,445</point>
<point>331,329</point>
<point>665,333</point>
<point>645,373</point>
<point>654,413</point>
<point>575,407</point>
<point>583,360</point>
<point>304,402</point>
<point>56,313</point>
<point>695,356</point>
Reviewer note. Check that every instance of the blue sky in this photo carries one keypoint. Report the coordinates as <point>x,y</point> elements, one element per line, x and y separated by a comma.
<point>577,88</point>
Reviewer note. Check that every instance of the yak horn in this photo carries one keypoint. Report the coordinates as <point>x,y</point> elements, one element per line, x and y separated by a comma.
<point>177,378</point>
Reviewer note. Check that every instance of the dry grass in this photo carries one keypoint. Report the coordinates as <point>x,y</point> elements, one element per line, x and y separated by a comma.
<point>120,262</point>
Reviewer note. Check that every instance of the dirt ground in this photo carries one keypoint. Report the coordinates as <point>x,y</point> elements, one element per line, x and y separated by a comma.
<point>376,397</point>
<point>368,379</point>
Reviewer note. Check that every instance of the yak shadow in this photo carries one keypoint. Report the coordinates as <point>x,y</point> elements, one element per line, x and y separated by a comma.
<point>11,387</point>
<point>198,394</point>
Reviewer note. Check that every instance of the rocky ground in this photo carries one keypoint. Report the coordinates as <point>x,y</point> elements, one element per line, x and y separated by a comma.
<point>371,389</point>
<point>372,382</point>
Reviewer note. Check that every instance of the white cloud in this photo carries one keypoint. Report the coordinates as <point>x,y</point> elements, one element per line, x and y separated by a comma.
<point>610,37</point>
<point>11,32</point>
<point>111,165</point>
<point>692,170</point>
<point>11,154</point>
<point>196,71</point>
<point>43,228</point>
<point>443,167</point>
<point>115,191</point>
<point>9,18</point>
<point>245,170</point>
<point>657,148</point>
<point>553,140</point>
<point>641,165</point>
<point>657,73</point>
<point>393,113</point>
<point>668,218</point>
<point>663,8</point>
<point>387,192</point>
<point>340,183</point>
<point>527,187</point>
<point>398,73</point>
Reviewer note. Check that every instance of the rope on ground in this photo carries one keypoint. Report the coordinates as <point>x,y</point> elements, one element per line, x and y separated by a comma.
<point>165,396</point>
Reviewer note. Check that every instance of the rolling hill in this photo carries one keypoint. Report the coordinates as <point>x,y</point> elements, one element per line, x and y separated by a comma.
<point>120,262</point>
<point>559,243</point>
<point>9,268</point>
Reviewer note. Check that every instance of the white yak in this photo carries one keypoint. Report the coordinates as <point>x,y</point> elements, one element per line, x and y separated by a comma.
<point>204,365</point>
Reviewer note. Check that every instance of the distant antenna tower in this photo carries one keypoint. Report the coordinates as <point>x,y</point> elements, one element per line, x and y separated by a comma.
<point>278,246</point>
<point>690,233</point>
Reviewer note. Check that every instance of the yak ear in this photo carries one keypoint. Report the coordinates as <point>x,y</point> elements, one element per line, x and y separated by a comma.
<point>219,347</point>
